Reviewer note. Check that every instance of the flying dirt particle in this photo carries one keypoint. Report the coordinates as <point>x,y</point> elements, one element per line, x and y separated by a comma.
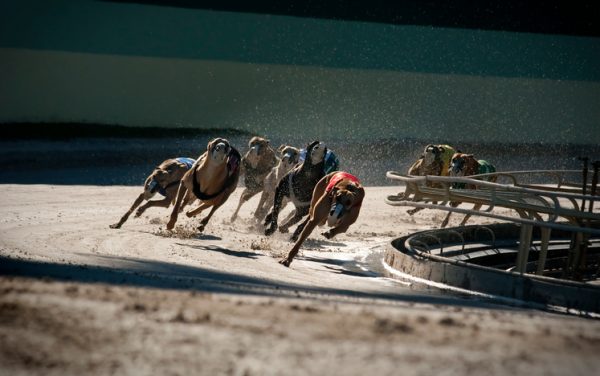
<point>260,245</point>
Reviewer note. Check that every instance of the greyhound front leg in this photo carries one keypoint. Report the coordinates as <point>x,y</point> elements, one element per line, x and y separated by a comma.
<point>476,207</point>
<point>164,203</point>
<point>335,231</point>
<point>136,203</point>
<point>306,231</point>
<point>198,210</point>
<point>299,213</point>
<point>344,225</point>
<point>240,203</point>
<point>299,229</point>
<point>271,218</point>
<point>187,200</point>
<point>261,208</point>
<point>446,220</point>
<point>205,220</point>
<point>178,202</point>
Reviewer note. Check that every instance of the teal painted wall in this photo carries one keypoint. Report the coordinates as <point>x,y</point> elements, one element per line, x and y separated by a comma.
<point>92,61</point>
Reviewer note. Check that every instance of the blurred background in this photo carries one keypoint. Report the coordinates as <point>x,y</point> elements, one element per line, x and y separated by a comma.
<point>99,92</point>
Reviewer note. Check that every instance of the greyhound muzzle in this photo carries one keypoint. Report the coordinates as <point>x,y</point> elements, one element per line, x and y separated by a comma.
<point>220,151</point>
<point>457,167</point>
<point>317,154</point>
<point>335,214</point>
<point>288,158</point>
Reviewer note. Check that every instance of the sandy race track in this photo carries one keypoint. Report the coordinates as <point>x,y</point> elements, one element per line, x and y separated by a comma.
<point>80,298</point>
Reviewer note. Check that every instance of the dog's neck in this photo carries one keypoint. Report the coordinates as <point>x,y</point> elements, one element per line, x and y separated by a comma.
<point>208,169</point>
<point>282,169</point>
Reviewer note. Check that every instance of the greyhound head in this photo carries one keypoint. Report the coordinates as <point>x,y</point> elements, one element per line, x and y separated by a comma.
<point>432,153</point>
<point>157,179</point>
<point>218,150</point>
<point>258,148</point>
<point>463,165</point>
<point>289,157</point>
<point>316,151</point>
<point>343,199</point>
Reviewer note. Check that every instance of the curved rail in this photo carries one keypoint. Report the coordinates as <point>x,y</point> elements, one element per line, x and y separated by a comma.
<point>539,206</point>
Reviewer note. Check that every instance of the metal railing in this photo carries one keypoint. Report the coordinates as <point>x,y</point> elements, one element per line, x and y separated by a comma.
<point>536,205</point>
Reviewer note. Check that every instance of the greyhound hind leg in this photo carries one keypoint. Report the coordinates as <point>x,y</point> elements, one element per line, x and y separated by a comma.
<point>205,220</point>
<point>299,213</point>
<point>136,203</point>
<point>476,207</point>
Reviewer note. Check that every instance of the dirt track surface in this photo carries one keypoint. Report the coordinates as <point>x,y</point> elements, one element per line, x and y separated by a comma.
<point>79,298</point>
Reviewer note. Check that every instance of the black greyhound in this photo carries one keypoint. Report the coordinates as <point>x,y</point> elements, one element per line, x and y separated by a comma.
<point>298,185</point>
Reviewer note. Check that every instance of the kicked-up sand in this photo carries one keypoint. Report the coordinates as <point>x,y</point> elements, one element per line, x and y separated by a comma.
<point>77,297</point>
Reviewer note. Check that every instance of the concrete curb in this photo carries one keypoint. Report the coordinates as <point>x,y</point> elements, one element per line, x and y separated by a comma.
<point>529,288</point>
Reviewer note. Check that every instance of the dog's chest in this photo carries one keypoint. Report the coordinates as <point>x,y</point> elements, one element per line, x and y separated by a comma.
<point>303,183</point>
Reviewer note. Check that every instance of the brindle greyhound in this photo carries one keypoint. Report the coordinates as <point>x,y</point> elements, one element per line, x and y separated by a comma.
<point>164,180</point>
<point>212,179</point>
<point>336,199</point>
<point>467,165</point>
<point>288,157</point>
<point>434,161</point>
<point>298,185</point>
<point>256,165</point>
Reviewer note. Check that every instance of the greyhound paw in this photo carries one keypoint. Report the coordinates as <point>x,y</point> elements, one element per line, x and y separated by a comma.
<point>285,262</point>
<point>200,228</point>
<point>271,227</point>
<point>116,225</point>
<point>268,219</point>
<point>283,230</point>
<point>189,214</point>
<point>138,213</point>
<point>327,234</point>
<point>293,238</point>
<point>411,211</point>
<point>170,225</point>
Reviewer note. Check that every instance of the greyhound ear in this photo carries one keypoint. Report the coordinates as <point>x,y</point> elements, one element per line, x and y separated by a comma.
<point>312,145</point>
<point>281,147</point>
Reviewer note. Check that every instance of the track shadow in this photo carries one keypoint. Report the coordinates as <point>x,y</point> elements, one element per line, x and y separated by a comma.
<point>349,272</point>
<point>206,237</point>
<point>157,274</point>
<point>345,267</point>
<point>216,248</point>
